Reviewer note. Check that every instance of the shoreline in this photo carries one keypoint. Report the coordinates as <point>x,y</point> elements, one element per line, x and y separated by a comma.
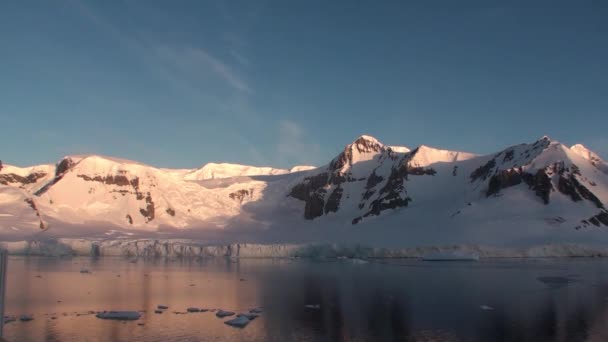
<point>150,248</point>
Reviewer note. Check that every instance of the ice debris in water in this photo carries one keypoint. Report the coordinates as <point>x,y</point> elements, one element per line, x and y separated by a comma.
<point>221,313</point>
<point>239,322</point>
<point>119,315</point>
<point>556,281</point>
<point>250,316</point>
<point>26,318</point>
<point>312,306</point>
<point>256,310</point>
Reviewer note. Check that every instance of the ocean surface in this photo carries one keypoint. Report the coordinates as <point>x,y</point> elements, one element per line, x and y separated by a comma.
<point>310,300</point>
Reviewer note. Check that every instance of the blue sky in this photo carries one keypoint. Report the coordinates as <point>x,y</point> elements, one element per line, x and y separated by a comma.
<point>182,83</point>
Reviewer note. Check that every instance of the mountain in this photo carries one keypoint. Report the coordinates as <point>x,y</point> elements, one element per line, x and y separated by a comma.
<point>541,192</point>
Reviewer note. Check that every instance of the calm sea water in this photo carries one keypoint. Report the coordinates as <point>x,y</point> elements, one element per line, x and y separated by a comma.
<point>512,300</point>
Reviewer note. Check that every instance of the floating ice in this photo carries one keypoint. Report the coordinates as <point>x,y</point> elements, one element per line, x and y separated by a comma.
<point>26,318</point>
<point>256,310</point>
<point>119,315</point>
<point>239,322</point>
<point>313,306</point>
<point>221,313</point>
<point>250,316</point>
<point>486,307</point>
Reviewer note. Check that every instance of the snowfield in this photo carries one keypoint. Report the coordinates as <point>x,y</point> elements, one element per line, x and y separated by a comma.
<point>529,200</point>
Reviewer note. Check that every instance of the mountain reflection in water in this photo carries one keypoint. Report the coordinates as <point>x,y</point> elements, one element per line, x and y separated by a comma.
<point>303,300</point>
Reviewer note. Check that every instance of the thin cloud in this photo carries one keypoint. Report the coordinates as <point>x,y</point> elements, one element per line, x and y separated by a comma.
<point>294,146</point>
<point>178,64</point>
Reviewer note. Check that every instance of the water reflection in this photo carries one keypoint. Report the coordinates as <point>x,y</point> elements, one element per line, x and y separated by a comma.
<point>389,301</point>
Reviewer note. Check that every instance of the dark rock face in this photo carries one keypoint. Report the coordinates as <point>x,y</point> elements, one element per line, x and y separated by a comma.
<point>148,212</point>
<point>170,211</point>
<point>129,219</point>
<point>504,179</point>
<point>484,171</point>
<point>60,170</point>
<point>32,205</point>
<point>241,195</point>
<point>361,145</point>
<point>598,220</point>
<point>392,195</point>
<point>119,180</point>
<point>314,205</point>
<point>64,166</point>
<point>312,191</point>
<point>333,202</point>
<point>11,178</point>
<point>508,156</point>
<point>572,187</point>
<point>540,183</point>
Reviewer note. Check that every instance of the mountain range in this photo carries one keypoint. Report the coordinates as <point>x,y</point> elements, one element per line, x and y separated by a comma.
<point>533,193</point>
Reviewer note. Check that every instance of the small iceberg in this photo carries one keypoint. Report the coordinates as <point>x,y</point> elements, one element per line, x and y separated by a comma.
<point>313,306</point>
<point>451,256</point>
<point>222,313</point>
<point>119,315</point>
<point>26,318</point>
<point>239,322</point>
<point>486,307</point>
<point>250,315</point>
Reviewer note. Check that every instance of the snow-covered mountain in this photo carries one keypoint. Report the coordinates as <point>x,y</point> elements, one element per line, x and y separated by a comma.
<point>370,192</point>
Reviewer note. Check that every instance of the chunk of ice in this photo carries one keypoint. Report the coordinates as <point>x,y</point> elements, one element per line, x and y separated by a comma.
<point>221,313</point>
<point>239,322</point>
<point>119,315</point>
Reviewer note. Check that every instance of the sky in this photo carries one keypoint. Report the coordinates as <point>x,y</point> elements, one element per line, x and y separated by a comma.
<point>282,83</point>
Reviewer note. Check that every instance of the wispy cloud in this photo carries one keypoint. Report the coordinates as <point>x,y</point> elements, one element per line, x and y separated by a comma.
<point>294,146</point>
<point>192,62</point>
<point>181,64</point>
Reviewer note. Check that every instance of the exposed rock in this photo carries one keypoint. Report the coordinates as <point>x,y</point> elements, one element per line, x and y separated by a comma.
<point>540,183</point>
<point>333,202</point>
<point>129,219</point>
<point>170,211</point>
<point>484,171</point>
<point>572,187</point>
<point>11,178</point>
<point>119,180</point>
<point>60,170</point>
<point>148,213</point>
<point>32,205</point>
<point>241,195</point>
<point>312,191</point>
<point>504,179</point>
<point>508,156</point>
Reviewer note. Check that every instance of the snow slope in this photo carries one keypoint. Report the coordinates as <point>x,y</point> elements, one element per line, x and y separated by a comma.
<point>385,196</point>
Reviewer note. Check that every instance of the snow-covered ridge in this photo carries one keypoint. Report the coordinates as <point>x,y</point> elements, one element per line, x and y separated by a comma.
<point>226,170</point>
<point>425,196</point>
